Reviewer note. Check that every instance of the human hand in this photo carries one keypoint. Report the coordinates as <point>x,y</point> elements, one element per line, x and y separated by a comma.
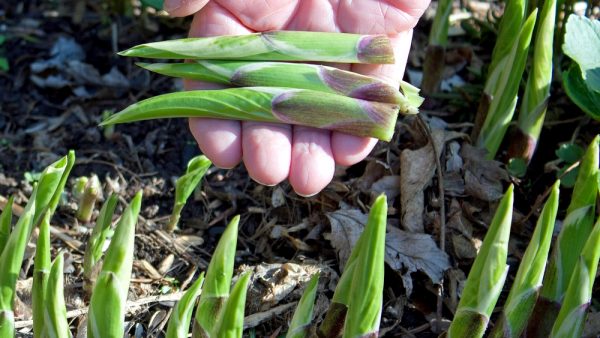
<point>273,152</point>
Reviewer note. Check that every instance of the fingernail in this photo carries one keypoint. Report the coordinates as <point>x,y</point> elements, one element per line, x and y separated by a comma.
<point>171,5</point>
<point>265,184</point>
<point>306,196</point>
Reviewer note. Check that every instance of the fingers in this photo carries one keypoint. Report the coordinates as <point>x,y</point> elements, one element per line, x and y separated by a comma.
<point>219,140</point>
<point>349,150</point>
<point>177,8</point>
<point>312,165</point>
<point>266,151</point>
<point>379,16</point>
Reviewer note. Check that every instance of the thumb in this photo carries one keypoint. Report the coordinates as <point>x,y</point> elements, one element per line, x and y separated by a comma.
<point>177,8</point>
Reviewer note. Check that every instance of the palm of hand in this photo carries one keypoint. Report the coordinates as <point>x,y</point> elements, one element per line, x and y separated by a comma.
<point>274,152</point>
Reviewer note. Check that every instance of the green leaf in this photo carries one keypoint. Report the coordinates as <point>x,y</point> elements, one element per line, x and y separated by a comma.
<point>156,4</point>
<point>517,167</point>
<point>579,92</point>
<point>569,152</point>
<point>4,66</point>
<point>582,42</point>
<point>179,323</point>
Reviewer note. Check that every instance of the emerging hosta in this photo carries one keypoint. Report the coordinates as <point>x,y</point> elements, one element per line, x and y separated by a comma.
<point>107,306</point>
<point>576,229</point>
<point>185,186</point>
<point>486,277</point>
<point>537,91</point>
<point>528,281</point>
<point>271,104</point>
<point>41,205</point>
<point>575,305</point>
<point>274,46</point>
<point>303,316</point>
<point>355,309</point>
<point>179,323</point>
<point>95,244</point>
<point>91,193</point>
<point>502,87</point>
<point>215,292</point>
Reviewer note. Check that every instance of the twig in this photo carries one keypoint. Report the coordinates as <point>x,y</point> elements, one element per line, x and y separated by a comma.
<point>440,176</point>
<point>130,307</point>
<point>255,319</point>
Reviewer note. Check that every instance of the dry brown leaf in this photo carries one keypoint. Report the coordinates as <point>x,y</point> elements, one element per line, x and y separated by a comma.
<point>483,178</point>
<point>408,252</point>
<point>390,185</point>
<point>416,171</point>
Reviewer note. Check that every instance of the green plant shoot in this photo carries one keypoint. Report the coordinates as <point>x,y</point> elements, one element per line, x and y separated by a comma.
<point>41,270</point>
<point>571,318</point>
<point>185,186</point>
<point>274,46</point>
<point>179,323</point>
<point>112,284</point>
<point>95,244</point>
<point>215,291</point>
<point>303,316</point>
<point>55,312</point>
<point>528,281</point>
<point>487,276</point>
<point>231,323</point>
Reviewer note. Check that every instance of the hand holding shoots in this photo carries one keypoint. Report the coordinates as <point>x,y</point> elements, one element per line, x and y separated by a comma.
<point>307,95</point>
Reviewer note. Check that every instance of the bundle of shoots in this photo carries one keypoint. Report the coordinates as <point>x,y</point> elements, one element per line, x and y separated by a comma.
<point>308,95</point>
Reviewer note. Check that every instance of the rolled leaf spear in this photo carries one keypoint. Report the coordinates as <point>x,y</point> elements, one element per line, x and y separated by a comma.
<point>371,110</point>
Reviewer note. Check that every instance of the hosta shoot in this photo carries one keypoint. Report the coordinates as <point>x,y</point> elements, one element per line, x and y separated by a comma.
<point>87,202</point>
<point>297,75</point>
<point>231,323</point>
<point>274,46</point>
<point>55,312</point>
<point>41,271</point>
<point>215,291</point>
<point>271,104</point>
<point>578,296</point>
<point>364,308</point>
<point>365,249</point>
<point>487,276</point>
<point>185,186</point>
<point>528,281</point>
<point>95,244</point>
<point>505,87</point>
<point>112,284</point>
<point>11,260</point>
<point>179,323</point>
<point>303,316</point>
<point>537,91</point>
<point>576,229</point>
